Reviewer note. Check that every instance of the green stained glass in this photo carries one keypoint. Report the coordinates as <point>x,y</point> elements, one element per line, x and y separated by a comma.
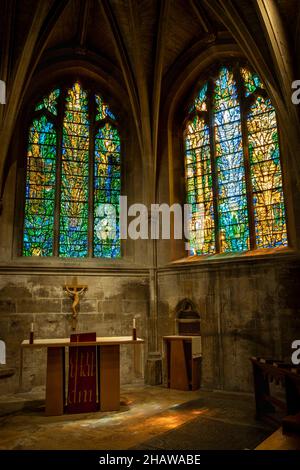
<point>49,102</point>
<point>68,179</point>
<point>199,187</point>
<point>251,81</point>
<point>73,238</point>
<point>107,187</point>
<point>40,189</point>
<point>219,180</point>
<point>103,110</point>
<point>266,176</point>
<point>225,92</point>
<point>233,217</point>
<point>200,102</point>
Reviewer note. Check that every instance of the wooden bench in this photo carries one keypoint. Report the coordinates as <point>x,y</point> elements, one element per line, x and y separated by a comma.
<point>264,372</point>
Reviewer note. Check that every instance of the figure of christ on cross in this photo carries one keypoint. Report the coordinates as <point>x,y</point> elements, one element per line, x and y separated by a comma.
<point>74,291</point>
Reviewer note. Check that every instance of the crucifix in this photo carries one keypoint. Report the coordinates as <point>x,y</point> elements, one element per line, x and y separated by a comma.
<point>74,290</point>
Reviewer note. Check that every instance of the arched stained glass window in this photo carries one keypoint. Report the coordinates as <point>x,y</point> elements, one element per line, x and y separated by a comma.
<point>232,166</point>
<point>73,177</point>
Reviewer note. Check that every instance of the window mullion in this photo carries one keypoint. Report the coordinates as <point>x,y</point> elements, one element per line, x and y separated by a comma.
<point>60,121</point>
<point>214,172</point>
<point>92,115</point>
<point>248,181</point>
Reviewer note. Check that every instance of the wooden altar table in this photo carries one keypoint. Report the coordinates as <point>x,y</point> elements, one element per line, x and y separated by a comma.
<point>108,370</point>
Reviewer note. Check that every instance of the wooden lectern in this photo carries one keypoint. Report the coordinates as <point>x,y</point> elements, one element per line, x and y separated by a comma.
<point>183,357</point>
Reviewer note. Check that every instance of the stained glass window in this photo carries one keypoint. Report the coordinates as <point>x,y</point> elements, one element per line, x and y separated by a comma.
<point>232,166</point>
<point>49,102</point>
<point>40,189</point>
<point>73,177</point>
<point>107,172</point>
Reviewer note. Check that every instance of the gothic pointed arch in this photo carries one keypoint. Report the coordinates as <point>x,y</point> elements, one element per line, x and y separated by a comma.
<point>73,176</point>
<point>233,169</point>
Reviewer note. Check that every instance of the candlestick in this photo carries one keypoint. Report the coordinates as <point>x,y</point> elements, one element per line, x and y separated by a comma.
<point>31,334</point>
<point>134,334</point>
<point>133,329</point>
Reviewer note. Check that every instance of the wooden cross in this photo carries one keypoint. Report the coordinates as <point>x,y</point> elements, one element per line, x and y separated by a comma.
<point>74,291</point>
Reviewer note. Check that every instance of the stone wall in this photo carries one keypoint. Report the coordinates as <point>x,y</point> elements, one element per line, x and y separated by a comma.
<point>107,307</point>
<point>247,308</point>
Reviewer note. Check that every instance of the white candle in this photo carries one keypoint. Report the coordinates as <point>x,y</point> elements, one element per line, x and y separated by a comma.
<point>133,323</point>
<point>31,328</point>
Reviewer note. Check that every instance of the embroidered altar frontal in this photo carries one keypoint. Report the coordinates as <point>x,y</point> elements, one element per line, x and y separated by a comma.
<point>82,375</point>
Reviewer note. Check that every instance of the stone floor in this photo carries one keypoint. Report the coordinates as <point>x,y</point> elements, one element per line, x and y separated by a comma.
<point>149,418</point>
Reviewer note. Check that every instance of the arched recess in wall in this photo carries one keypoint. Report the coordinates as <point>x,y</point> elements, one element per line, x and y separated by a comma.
<point>75,89</point>
<point>187,318</point>
<point>178,105</point>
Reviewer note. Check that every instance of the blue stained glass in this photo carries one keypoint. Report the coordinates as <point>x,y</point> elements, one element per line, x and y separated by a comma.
<point>107,189</point>
<point>251,81</point>
<point>225,94</point>
<point>233,220</point>
<point>72,196</point>
<point>40,189</point>
<point>103,110</point>
<point>229,188</point>
<point>200,103</point>
<point>73,238</point>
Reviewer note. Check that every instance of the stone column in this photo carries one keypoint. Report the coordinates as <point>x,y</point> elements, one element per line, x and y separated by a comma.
<point>153,372</point>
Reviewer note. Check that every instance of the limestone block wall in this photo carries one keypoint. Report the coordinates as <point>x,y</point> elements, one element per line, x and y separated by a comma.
<point>107,307</point>
<point>246,308</point>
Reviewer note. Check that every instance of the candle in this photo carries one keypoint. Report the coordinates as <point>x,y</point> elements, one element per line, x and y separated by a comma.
<point>31,334</point>
<point>133,330</point>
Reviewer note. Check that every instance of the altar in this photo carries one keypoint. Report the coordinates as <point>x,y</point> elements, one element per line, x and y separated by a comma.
<point>106,366</point>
